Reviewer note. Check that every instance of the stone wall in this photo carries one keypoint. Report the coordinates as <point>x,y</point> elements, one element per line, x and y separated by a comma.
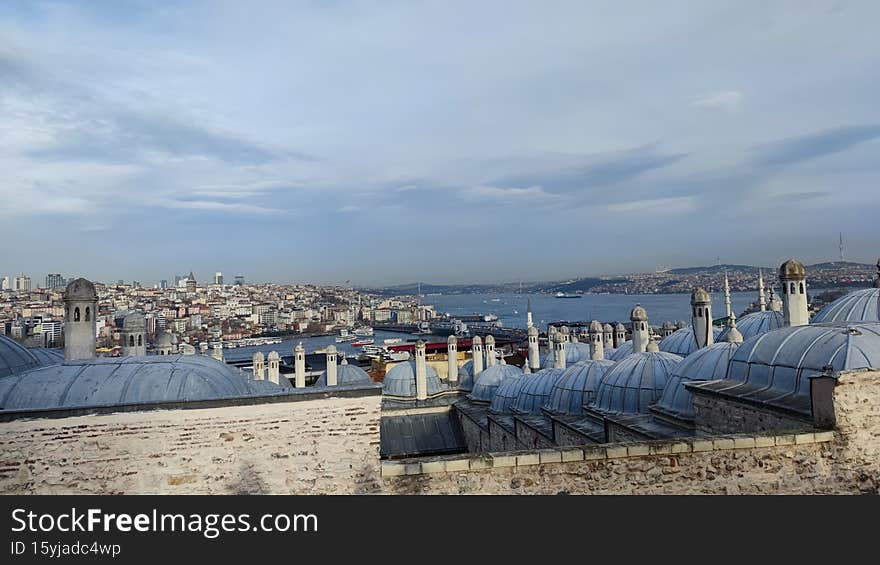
<point>327,445</point>
<point>715,414</point>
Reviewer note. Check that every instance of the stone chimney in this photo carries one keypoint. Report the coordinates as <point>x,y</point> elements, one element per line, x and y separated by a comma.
<point>259,366</point>
<point>597,349</point>
<point>452,359</point>
<point>559,351</point>
<point>299,365</point>
<point>534,351</point>
<point>80,309</point>
<point>421,371</point>
<point>331,365</point>
<point>490,351</point>
<point>274,367</point>
<point>477,354</point>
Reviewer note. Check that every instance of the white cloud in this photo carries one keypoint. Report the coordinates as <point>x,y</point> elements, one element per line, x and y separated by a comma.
<point>510,195</point>
<point>727,100</point>
<point>675,205</point>
<point>215,206</point>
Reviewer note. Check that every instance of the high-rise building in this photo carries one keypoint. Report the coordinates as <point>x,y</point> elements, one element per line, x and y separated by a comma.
<point>54,280</point>
<point>22,283</point>
<point>218,278</point>
<point>239,280</point>
<point>5,284</point>
<point>163,284</point>
<point>120,282</point>
<point>177,279</point>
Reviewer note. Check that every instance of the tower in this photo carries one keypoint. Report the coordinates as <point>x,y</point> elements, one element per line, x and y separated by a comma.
<point>792,276</point>
<point>421,371</point>
<point>597,349</point>
<point>331,365</point>
<point>80,302</point>
<point>701,317</point>
<point>452,359</point>
<point>477,355</point>
<point>639,319</point>
<point>274,367</point>
<point>529,323</point>
<point>191,282</point>
<point>608,336</point>
<point>490,351</point>
<point>134,327</point>
<point>534,353</point>
<point>619,335</point>
<point>259,366</point>
<point>299,365</point>
<point>726,296</point>
<point>559,351</point>
<point>762,304</point>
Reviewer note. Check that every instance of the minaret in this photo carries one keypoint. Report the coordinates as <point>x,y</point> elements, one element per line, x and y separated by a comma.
<point>726,296</point>
<point>529,323</point>
<point>639,319</point>
<point>421,371</point>
<point>619,335</point>
<point>452,359</point>
<point>701,317</point>
<point>274,367</point>
<point>134,328</point>
<point>534,351</point>
<point>80,308</point>
<point>733,335</point>
<point>477,355</point>
<point>597,349</point>
<point>792,276</point>
<point>761,302</point>
<point>608,336</point>
<point>299,365</point>
<point>559,351</point>
<point>259,366</point>
<point>775,304</point>
<point>490,351</point>
<point>331,365</point>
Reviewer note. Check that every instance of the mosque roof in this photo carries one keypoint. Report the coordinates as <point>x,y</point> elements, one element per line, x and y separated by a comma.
<point>111,381</point>
<point>857,306</point>
<point>706,364</point>
<point>574,352</point>
<point>621,351</point>
<point>536,391</point>
<point>346,375</point>
<point>635,383</point>
<point>401,380</point>
<point>15,358</point>
<point>490,379</point>
<point>775,367</point>
<point>466,375</point>
<point>756,323</point>
<point>682,342</point>
<point>577,386</point>
<point>46,356</point>
<point>506,393</point>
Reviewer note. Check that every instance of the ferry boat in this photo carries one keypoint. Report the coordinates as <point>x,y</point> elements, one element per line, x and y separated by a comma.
<point>363,331</point>
<point>345,336</point>
<point>567,295</point>
<point>362,342</point>
<point>392,340</point>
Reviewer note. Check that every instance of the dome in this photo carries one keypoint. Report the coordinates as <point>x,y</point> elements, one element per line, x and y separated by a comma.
<point>635,383</point>
<point>777,365</point>
<point>466,375</point>
<point>490,379</point>
<point>401,380</point>
<point>574,352</point>
<point>114,381</point>
<point>638,314</point>
<point>857,306</point>
<point>755,323</point>
<point>706,364</point>
<point>792,269</point>
<point>667,325</point>
<point>46,356</point>
<point>536,391</point>
<point>346,375</point>
<point>15,358</point>
<point>682,342</point>
<point>134,321</point>
<point>506,393</point>
<point>164,340</point>
<point>80,289</point>
<point>619,353</point>
<point>577,387</point>
<point>700,296</point>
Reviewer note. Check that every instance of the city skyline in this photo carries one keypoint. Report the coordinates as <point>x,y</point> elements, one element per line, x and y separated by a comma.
<point>394,143</point>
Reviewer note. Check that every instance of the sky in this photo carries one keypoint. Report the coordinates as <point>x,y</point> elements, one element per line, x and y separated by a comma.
<point>448,142</point>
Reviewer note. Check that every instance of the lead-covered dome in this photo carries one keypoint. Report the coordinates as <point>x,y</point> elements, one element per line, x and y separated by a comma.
<point>577,387</point>
<point>621,352</point>
<point>466,375</point>
<point>792,269</point>
<point>536,391</point>
<point>756,323</point>
<point>638,314</point>
<point>346,375</point>
<point>401,380</point>
<point>574,352</point>
<point>490,379</point>
<point>80,289</point>
<point>635,383</point>
<point>682,342</point>
<point>706,364</point>
<point>857,306</point>
<point>113,381</point>
<point>15,358</point>
<point>700,296</point>
<point>506,393</point>
<point>776,367</point>
<point>134,321</point>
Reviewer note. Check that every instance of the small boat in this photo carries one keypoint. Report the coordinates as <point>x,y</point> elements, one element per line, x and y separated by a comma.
<point>566,295</point>
<point>362,342</point>
<point>392,340</point>
<point>363,331</point>
<point>344,338</point>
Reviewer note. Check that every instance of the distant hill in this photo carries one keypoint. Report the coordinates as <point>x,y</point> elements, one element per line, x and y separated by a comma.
<point>715,269</point>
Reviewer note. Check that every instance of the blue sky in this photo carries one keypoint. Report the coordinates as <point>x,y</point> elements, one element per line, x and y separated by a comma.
<point>387,142</point>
